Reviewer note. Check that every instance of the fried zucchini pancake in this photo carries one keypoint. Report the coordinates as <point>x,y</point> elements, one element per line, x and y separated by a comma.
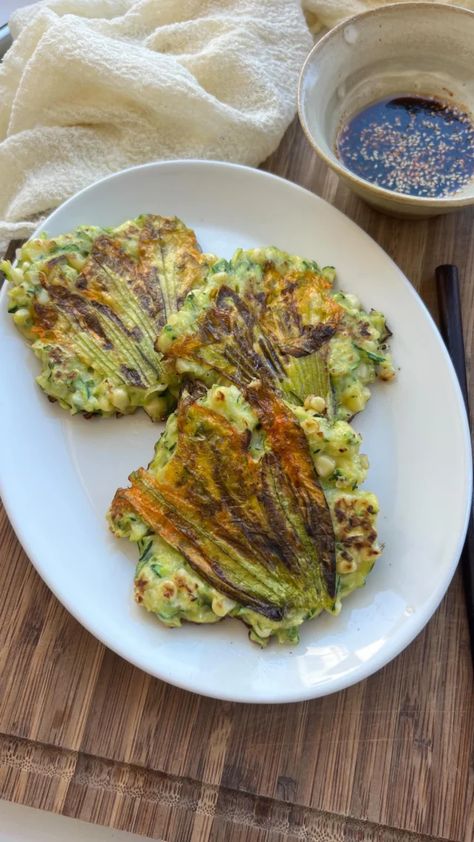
<point>237,514</point>
<point>91,304</point>
<point>270,315</point>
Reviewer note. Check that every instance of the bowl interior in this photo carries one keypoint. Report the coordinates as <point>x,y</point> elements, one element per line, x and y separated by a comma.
<point>422,49</point>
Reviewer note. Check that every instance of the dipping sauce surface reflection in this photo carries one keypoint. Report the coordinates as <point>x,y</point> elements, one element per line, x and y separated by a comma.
<point>409,144</point>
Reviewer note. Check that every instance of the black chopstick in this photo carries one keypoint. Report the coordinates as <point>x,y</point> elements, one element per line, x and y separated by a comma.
<point>449,300</point>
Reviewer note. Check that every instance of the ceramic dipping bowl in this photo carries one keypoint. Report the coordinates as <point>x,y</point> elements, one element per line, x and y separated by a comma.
<point>412,49</point>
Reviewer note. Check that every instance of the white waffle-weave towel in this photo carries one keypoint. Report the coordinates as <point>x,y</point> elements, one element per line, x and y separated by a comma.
<point>92,86</point>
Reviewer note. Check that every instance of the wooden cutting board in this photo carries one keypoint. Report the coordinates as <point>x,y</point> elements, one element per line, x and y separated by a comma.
<point>85,734</point>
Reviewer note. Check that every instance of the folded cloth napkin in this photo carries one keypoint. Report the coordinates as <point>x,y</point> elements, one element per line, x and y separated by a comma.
<point>92,86</point>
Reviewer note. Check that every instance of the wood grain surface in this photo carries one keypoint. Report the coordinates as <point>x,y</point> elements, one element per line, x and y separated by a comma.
<point>85,734</point>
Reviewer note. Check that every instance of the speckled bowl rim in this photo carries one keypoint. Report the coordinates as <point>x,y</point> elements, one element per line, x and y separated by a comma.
<point>360,183</point>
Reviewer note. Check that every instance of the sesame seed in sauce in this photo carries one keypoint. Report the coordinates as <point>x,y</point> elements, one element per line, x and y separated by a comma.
<point>409,144</point>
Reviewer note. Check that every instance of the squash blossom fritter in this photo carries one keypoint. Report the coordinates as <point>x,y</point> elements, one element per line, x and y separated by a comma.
<point>91,304</point>
<point>232,519</point>
<point>270,315</point>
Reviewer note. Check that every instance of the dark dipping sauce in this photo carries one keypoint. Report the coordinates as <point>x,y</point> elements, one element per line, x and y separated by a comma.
<point>410,144</point>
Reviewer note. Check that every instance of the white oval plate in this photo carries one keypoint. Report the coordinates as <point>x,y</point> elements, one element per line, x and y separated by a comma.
<point>60,473</point>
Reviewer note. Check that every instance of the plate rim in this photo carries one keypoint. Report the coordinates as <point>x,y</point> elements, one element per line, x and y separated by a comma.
<point>411,630</point>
